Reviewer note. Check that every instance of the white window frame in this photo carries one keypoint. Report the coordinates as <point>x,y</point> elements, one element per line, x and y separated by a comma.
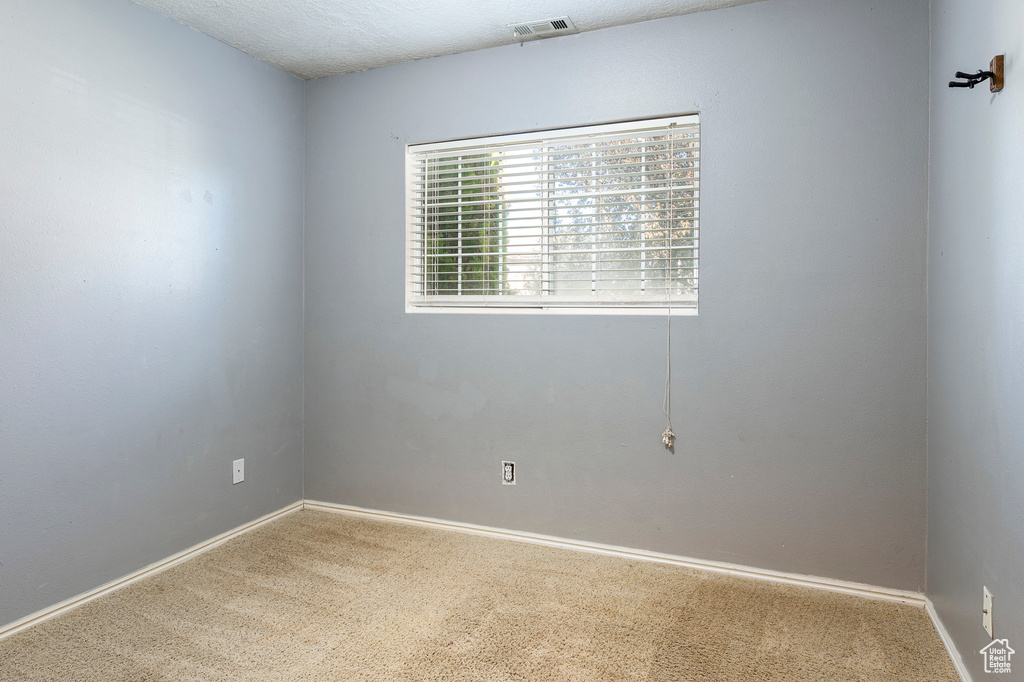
<point>598,307</point>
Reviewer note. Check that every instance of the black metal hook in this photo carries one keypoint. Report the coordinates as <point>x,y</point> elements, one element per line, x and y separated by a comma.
<point>994,74</point>
<point>972,79</point>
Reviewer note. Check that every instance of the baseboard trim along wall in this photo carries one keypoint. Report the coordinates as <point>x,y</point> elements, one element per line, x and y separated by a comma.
<point>152,569</point>
<point>947,640</point>
<point>859,589</point>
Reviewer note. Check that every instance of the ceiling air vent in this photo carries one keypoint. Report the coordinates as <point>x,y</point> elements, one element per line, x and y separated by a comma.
<point>545,28</point>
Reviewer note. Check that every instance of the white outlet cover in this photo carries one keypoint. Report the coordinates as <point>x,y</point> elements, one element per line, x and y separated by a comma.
<point>986,615</point>
<point>508,473</point>
<point>237,471</point>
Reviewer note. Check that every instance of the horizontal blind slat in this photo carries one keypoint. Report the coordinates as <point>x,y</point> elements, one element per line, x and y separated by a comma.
<point>498,206</point>
<point>608,239</point>
<point>685,152</point>
<point>681,160</point>
<point>528,190</point>
<point>476,216</point>
<point>506,144</point>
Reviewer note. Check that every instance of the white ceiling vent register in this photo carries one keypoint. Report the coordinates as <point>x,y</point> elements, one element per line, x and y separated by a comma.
<point>545,28</point>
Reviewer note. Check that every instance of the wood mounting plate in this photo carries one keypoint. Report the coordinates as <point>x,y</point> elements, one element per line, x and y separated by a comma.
<point>996,67</point>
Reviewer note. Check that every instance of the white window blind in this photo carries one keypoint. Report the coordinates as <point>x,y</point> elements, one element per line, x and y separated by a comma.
<point>597,216</point>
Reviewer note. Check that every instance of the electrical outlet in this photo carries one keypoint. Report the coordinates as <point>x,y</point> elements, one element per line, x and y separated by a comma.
<point>237,471</point>
<point>986,611</point>
<point>508,473</point>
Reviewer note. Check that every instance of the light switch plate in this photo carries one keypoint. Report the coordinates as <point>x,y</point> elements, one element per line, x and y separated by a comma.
<point>986,614</point>
<point>237,471</point>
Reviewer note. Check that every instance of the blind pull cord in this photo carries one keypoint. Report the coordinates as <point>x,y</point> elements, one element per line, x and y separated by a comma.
<point>669,438</point>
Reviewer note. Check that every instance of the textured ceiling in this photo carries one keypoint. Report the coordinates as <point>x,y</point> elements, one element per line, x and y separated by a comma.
<point>313,38</point>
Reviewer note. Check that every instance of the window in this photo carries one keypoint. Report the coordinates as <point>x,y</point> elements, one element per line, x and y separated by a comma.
<point>592,218</point>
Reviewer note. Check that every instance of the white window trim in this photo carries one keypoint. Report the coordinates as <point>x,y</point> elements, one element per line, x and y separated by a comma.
<point>477,308</point>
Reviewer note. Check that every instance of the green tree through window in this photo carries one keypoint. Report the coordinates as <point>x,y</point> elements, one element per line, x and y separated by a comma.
<point>465,239</point>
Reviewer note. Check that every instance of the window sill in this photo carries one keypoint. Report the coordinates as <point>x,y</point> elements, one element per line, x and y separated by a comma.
<point>534,310</point>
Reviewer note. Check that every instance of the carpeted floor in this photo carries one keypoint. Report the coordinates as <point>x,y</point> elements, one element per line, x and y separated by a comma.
<point>319,596</point>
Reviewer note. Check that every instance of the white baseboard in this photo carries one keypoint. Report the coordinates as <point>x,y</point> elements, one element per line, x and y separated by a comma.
<point>947,640</point>
<point>152,569</point>
<point>859,589</point>
<point>842,586</point>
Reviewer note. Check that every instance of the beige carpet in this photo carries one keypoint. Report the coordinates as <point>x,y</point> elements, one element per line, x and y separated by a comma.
<point>318,596</point>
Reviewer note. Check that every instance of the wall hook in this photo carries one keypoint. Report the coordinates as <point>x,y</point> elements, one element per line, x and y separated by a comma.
<point>994,75</point>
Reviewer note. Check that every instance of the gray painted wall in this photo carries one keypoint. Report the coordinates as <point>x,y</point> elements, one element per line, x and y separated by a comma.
<point>150,293</point>
<point>799,391</point>
<point>976,328</point>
